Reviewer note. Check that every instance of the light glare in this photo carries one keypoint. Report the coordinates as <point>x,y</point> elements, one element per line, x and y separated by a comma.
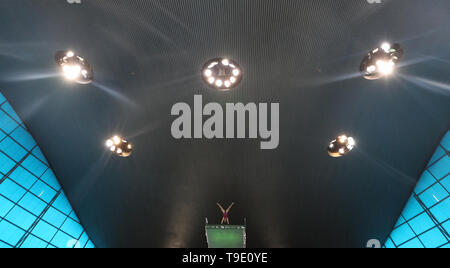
<point>109,143</point>
<point>71,72</point>
<point>208,73</point>
<point>351,142</point>
<point>222,74</point>
<point>386,47</point>
<point>371,68</point>
<point>385,67</point>
<point>381,62</point>
<point>119,146</point>
<point>341,146</point>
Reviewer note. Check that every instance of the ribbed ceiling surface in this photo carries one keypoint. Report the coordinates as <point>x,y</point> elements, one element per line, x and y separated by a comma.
<point>303,54</point>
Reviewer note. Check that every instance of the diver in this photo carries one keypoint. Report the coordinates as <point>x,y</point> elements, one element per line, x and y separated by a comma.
<point>225,218</point>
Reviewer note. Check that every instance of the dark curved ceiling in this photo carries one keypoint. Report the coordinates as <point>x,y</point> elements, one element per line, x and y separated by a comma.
<point>147,56</point>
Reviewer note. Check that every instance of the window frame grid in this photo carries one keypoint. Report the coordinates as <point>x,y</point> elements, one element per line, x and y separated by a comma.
<point>427,209</point>
<point>49,205</point>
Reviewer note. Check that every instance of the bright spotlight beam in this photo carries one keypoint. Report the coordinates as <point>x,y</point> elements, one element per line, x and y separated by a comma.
<point>31,76</point>
<point>394,172</point>
<point>431,85</point>
<point>329,80</point>
<point>115,94</point>
<point>414,61</point>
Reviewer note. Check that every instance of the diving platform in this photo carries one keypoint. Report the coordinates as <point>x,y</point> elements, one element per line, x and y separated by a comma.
<point>226,236</point>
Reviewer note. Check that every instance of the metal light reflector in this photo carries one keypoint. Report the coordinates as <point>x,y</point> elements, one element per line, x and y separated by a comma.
<point>222,74</point>
<point>119,146</point>
<point>341,146</point>
<point>381,61</point>
<point>74,68</point>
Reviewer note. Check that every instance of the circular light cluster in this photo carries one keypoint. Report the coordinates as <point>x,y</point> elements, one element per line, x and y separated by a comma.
<point>341,146</point>
<point>74,67</point>
<point>222,74</point>
<point>381,61</point>
<point>119,146</point>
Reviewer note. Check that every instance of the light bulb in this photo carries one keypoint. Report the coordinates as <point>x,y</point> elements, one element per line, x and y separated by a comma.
<point>71,72</point>
<point>386,47</point>
<point>109,143</point>
<point>116,140</point>
<point>371,68</point>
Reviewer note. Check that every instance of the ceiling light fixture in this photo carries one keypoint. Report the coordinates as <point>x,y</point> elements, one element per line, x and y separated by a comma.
<point>119,146</point>
<point>381,61</point>
<point>74,67</point>
<point>341,146</point>
<point>222,74</point>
